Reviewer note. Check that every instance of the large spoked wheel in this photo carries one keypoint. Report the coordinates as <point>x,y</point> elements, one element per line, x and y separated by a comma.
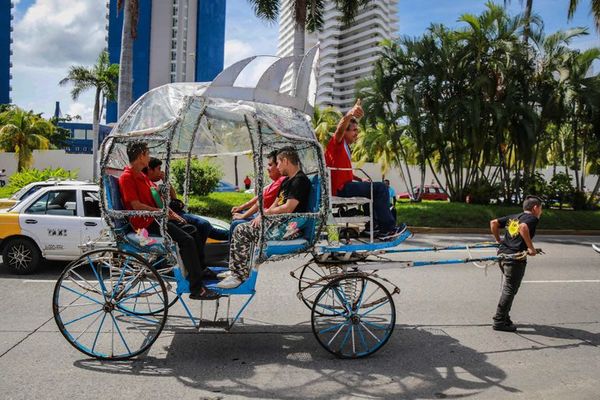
<point>313,278</point>
<point>105,304</point>
<point>360,320</point>
<point>166,274</point>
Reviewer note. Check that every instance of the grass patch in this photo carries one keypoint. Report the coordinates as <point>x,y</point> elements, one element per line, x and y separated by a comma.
<point>217,204</point>
<point>461,215</point>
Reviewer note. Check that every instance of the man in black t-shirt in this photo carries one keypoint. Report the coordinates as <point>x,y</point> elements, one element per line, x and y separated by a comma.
<point>292,198</point>
<point>519,232</point>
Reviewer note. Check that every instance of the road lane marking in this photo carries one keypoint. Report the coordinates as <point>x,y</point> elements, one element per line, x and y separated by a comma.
<point>567,281</point>
<point>39,280</point>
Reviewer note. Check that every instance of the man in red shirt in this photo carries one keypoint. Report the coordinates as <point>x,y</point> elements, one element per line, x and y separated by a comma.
<point>346,184</point>
<point>136,193</point>
<point>269,195</point>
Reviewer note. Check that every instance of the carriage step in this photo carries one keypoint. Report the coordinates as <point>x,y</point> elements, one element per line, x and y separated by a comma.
<point>352,220</point>
<point>336,200</point>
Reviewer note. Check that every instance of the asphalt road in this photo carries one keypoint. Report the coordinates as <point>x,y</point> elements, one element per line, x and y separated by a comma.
<point>443,345</point>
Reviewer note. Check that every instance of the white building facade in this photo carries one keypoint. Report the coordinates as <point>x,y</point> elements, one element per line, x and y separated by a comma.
<point>348,53</point>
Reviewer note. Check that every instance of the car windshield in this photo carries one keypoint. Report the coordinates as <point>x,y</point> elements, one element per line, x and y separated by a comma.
<point>25,192</point>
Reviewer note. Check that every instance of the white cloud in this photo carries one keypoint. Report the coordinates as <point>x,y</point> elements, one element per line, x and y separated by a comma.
<point>84,110</point>
<point>236,50</point>
<point>60,33</point>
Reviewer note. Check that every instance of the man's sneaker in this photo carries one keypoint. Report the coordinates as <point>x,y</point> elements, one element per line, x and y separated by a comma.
<point>392,234</point>
<point>504,327</point>
<point>224,274</point>
<point>230,282</point>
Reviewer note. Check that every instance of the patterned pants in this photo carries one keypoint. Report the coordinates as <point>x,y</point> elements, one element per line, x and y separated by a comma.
<point>241,250</point>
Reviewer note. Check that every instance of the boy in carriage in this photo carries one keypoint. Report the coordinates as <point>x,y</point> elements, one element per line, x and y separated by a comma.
<point>293,197</point>
<point>136,193</point>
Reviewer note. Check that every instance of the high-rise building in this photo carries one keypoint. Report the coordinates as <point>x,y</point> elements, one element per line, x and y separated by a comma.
<point>348,53</point>
<point>6,18</point>
<point>177,41</point>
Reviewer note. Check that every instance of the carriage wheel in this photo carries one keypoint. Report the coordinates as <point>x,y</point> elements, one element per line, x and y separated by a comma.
<point>361,319</point>
<point>140,306</point>
<point>98,300</point>
<point>309,284</point>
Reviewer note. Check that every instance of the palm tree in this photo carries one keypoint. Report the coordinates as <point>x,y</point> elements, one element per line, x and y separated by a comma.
<point>129,33</point>
<point>324,122</point>
<point>22,132</point>
<point>103,78</point>
<point>594,9</point>
<point>527,16</point>
<point>307,15</point>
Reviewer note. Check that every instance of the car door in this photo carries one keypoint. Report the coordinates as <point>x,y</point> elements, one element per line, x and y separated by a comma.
<point>91,219</point>
<point>51,219</point>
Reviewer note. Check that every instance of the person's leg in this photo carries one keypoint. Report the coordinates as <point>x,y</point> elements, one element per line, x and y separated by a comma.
<point>381,213</point>
<point>203,228</point>
<point>234,224</point>
<point>513,275</point>
<point>240,252</point>
<point>189,255</point>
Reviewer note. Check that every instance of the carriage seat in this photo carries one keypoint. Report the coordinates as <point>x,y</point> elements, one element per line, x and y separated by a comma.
<point>281,247</point>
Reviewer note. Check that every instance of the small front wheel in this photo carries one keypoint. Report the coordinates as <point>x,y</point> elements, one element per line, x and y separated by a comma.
<point>353,316</point>
<point>104,304</point>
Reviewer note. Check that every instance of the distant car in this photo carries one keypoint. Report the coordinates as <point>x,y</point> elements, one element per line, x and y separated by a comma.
<point>56,221</point>
<point>33,187</point>
<point>430,192</point>
<point>226,187</point>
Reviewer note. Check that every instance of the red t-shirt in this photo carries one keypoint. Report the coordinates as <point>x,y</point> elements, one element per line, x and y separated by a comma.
<point>337,156</point>
<point>271,191</point>
<point>136,186</point>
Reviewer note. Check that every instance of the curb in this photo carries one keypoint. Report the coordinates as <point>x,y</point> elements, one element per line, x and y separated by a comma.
<point>480,231</point>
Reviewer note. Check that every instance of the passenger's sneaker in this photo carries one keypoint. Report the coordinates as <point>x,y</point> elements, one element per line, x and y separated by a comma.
<point>224,274</point>
<point>230,282</point>
<point>391,234</point>
<point>504,327</point>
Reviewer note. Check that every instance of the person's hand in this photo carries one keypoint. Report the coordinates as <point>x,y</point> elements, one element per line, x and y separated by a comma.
<point>237,216</point>
<point>256,222</point>
<point>357,111</point>
<point>235,210</point>
<point>531,252</point>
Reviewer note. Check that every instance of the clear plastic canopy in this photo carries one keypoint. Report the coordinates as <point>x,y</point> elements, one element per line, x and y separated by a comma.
<point>187,121</point>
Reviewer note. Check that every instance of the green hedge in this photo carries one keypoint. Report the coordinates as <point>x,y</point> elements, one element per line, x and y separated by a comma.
<point>427,213</point>
<point>462,215</point>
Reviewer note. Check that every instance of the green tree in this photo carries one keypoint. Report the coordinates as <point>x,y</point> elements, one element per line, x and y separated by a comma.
<point>325,122</point>
<point>594,10</point>
<point>101,77</point>
<point>22,132</point>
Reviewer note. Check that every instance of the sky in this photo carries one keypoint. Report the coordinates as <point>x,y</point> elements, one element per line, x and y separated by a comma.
<point>51,35</point>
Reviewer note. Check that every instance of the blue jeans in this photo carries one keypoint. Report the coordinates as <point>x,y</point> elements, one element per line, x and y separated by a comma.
<point>383,217</point>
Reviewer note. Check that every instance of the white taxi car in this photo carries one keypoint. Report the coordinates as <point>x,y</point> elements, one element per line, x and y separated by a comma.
<point>56,221</point>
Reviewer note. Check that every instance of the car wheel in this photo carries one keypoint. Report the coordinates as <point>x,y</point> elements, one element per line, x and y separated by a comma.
<point>22,256</point>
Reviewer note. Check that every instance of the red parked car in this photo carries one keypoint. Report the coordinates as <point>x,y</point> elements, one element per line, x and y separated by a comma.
<point>430,192</point>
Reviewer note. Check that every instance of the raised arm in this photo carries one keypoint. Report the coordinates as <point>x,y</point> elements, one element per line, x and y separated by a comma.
<point>356,112</point>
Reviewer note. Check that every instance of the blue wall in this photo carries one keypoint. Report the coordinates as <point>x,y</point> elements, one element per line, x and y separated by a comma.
<point>141,50</point>
<point>210,39</point>
<point>83,145</point>
<point>5,23</point>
